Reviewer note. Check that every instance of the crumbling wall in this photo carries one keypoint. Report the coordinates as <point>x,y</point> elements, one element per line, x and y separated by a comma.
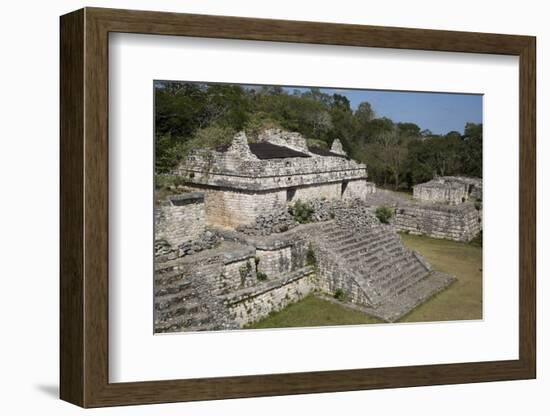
<point>440,193</point>
<point>309,193</point>
<point>238,274</point>
<point>452,190</point>
<point>357,189</point>
<point>275,295</point>
<point>180,218</point>
<point>274,262</point>
<point>232,208</point>
<point>370,188</point>
<point>458,223</point>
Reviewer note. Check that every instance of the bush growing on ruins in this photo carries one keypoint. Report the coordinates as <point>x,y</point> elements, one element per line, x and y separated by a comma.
<point>244,271</point>
<point>301,211</point>
<point>384,214</point>
<point>339,294</point>
<point>257,123</point>
<point>311,259</point>
<point>316,143</point>
<point>261,276</point>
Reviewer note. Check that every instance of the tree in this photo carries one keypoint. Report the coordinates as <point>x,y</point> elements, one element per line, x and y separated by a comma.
<point>364,113</point>
<point>393,154</point>
<point>408,130</point>
<point>473,130</point>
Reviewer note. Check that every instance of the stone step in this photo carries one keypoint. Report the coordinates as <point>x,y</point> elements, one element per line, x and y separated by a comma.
<point>332,235</point>
<point>405,265</point>
<point>372,257</point>
<point>168,277</point>
<point>342,235</point>
<point>166,301</point>
<point>176,273</point>
<point>396,250</point>
<point>181,285</point>
<point>404,286</point>
<point>181,322</point>
<point>357,242</point>
<point>177,309</point>
<point>360,248</point>
<point>395,307</point>
<point>399,283</point>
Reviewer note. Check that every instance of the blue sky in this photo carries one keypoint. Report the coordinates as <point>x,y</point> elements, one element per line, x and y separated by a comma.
<point>438,112</point>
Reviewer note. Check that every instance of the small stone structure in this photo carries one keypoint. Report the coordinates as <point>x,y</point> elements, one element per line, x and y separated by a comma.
<point>180,218</point>
<point>451,221</point>
<point>459,223</point>
<point>245,180</point>
<point>451,190</point>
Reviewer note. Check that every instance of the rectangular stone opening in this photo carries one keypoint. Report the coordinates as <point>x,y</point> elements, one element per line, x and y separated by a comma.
<point>344,187</point>
<point>290,194</point>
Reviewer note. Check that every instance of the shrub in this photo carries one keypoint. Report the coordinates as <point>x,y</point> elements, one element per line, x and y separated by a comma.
<point>339,294</point>
<point>301,211</point>
<point>384,214</point>
<point>244,271</point>
<point>258,122</point>
<point>311,259</point>
<point>261,276</point>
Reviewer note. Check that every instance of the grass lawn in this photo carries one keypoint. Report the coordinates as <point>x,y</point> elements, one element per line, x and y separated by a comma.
<point>313,311</point>
<point>462,300</point>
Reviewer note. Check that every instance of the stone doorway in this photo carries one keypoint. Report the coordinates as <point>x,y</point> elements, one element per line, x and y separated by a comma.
<point>290,194</point>
<point>344,187</point>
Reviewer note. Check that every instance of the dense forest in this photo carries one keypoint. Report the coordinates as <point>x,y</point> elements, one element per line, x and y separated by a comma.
<point>398,155</point>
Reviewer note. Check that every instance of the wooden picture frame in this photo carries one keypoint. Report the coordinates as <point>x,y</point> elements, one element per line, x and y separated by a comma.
<point>84,207</point>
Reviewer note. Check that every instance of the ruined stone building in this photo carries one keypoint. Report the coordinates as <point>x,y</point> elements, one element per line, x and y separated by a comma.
<point>445,207</point>
<point>451,190</point>
<point>218,267</point>
<point>242,180</point>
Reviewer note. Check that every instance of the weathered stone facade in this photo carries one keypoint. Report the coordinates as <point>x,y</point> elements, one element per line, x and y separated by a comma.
<point>447,207</point>
<point>452,190</point>
<point>458,223</point>
<point>246,180</point>
<point>180,218</point>
<point>248,306</point>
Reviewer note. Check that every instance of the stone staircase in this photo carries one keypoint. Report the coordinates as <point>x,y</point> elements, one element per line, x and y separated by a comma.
<point>183,297</point>
<point>393,278</point>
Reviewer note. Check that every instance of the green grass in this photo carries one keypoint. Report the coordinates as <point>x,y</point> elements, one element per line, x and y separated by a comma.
<point>313,311</point>
<point>462,300</point>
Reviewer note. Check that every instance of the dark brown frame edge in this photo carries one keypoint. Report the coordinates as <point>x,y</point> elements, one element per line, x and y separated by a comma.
<point>84,207</point>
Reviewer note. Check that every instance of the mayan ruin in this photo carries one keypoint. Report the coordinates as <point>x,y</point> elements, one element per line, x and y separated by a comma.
<point>231,247</point>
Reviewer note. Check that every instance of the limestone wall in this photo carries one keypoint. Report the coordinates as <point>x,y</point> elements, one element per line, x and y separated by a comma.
<point>370,188</point>
<point>272,296</point>
<point>452,190</point>
<point>309,193</point>
<point>460,223</point>
<point>333,277</point>
<point>238,274</point>
<point>357,189</point>
<point>180,218</point>
<point>231,208</point>
<point>275,174</point>
<point>452,195</point>
<point>274,262</point>
<point>293,140</point>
